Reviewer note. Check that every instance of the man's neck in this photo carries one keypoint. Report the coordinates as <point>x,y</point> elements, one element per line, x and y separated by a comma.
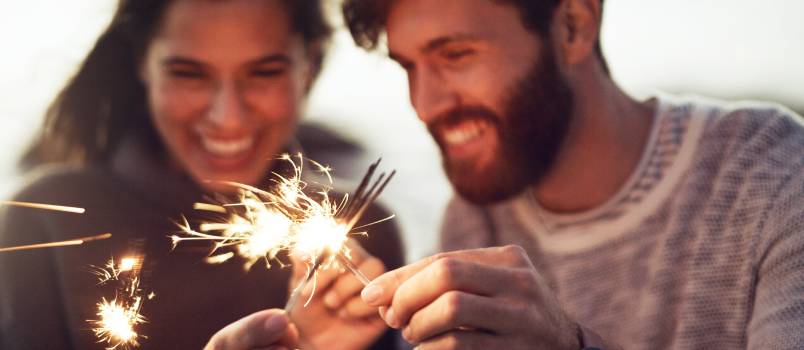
<point>603,148</point>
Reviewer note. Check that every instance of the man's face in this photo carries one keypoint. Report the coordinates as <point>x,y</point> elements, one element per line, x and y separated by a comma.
<point>488,89</point>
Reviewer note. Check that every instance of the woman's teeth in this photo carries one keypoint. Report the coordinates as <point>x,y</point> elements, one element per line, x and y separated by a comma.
<point>227,148</point>
<point>464,132</point>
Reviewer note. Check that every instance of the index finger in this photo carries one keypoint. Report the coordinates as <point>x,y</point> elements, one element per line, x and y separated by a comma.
<point>380,291</point>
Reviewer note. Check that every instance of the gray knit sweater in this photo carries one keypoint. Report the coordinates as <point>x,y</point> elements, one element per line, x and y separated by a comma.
<point>703,248</point>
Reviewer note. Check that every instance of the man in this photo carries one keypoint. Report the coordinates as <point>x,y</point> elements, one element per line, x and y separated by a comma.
<point>612,223</point>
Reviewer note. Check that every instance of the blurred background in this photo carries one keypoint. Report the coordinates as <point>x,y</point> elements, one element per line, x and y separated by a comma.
<point>731,49</point>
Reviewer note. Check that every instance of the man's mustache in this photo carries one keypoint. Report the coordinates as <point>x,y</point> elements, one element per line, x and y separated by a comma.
<point>459,115</point>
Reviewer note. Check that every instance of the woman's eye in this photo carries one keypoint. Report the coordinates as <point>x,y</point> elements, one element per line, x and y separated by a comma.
<point>187,74</point>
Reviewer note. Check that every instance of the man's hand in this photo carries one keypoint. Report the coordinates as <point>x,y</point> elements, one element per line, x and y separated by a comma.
<point>267,329</point>
<point>476,299</point>
<point>336,317</point>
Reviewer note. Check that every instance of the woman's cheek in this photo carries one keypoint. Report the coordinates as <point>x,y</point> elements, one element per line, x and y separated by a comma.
<point>180,104</point>
<point>275,103</point>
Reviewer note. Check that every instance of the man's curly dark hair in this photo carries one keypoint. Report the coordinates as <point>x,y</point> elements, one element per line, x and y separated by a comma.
<point>366,19</point>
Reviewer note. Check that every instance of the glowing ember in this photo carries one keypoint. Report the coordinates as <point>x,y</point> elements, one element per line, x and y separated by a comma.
<point>127,264</point>
<point>117,322</point>
<point>319,236</point>
<point>119,317</point>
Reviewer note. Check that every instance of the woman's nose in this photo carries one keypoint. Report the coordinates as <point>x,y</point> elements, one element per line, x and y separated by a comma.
<point>227,110</point>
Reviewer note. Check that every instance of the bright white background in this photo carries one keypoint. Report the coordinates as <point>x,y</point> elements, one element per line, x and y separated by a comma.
<point>724,48</point>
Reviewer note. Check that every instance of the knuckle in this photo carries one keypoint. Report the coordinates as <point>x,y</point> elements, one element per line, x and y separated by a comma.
<point>523,279</point>
<point>447,270</point>
<point>515,253</point>
<point>454,302</point>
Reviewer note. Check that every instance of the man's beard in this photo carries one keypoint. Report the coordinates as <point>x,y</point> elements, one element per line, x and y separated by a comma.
<point>529,136</point>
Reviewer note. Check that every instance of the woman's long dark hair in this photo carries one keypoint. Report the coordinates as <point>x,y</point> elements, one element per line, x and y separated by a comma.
<point>106,101</point>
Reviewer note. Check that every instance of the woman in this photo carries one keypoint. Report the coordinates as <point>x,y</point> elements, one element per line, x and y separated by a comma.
<point>174,97</point>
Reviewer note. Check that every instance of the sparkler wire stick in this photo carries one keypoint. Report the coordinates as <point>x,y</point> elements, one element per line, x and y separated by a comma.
<point>44,206</point>
<point>349,265</point>
<point>76,241</point>
<point>294,296</point>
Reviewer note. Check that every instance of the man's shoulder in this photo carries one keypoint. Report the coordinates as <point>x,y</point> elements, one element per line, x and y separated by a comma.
<point>747,138</point>
<point>751,157</point>
<point>754,128</point>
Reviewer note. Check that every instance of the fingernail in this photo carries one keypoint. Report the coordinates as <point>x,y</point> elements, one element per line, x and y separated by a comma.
<point>390,318</point>
<point>406,334</point>
<point>383,310</point>
<point>331,300</point>
<point>275,324</point>
<point>371,294</point>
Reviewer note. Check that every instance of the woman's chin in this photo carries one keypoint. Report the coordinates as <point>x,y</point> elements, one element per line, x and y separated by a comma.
<point>226,182</point>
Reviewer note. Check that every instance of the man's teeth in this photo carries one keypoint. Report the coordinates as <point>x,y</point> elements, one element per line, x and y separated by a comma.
<point>464,132</point>
<point>227,148</point>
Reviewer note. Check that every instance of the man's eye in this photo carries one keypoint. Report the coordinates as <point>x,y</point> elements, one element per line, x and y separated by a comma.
<point>457,54</point>
<point>267,73</point>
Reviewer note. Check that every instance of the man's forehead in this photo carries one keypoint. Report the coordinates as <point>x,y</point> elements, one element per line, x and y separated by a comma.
<point>418,24</point>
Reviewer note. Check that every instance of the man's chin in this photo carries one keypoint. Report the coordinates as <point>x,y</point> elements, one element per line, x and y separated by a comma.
<point>482,186</point>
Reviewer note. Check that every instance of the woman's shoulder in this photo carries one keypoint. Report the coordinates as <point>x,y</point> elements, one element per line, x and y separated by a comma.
<point>63,183</point>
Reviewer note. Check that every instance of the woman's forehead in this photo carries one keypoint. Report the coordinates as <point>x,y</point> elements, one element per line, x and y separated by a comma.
<point>225,28</point>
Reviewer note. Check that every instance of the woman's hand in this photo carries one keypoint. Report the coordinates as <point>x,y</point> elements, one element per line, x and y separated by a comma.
<point>336,317</point>
<point>267,329</point>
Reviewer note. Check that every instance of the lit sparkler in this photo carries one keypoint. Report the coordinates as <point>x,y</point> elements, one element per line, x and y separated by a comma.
<point>62,208</point>
<point>76,241</point>
<point>44,206</point>
<point>265,223</point>
<point>119,317</point>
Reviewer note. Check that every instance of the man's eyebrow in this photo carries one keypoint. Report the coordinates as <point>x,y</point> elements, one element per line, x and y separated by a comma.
<point>435,44</point>
<point>439,42</point>
<point>275,58</point>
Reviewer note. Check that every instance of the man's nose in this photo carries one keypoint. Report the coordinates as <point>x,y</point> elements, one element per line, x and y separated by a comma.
<point>227,111</point>
<point>431,94</point>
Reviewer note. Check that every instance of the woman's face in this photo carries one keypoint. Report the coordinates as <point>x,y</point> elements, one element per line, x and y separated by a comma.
<point>225,81</point>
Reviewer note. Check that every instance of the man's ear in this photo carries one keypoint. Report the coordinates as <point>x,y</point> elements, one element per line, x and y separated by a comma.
<point>576,28</point>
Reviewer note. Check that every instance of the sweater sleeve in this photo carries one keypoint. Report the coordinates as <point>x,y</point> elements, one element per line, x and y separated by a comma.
<point>31,312</point>
<point>778,314</point>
